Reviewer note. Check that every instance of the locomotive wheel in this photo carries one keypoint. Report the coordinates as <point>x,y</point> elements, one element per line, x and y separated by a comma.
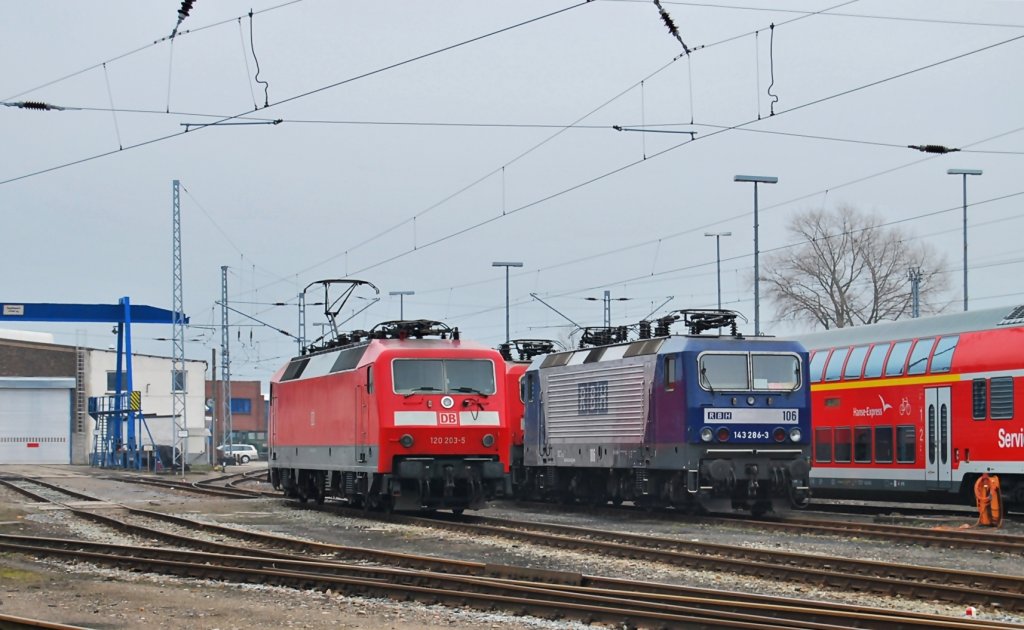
<point>458,511</point>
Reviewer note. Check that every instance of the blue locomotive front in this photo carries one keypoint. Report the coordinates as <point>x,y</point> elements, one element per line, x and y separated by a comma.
<point>715,421</point>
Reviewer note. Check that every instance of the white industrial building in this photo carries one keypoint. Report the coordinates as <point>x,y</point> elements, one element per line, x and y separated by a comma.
<point>44,394</point>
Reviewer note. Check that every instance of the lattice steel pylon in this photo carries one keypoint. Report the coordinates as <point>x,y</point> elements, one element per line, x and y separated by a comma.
<point>225,359</point>
<point>178,373</point>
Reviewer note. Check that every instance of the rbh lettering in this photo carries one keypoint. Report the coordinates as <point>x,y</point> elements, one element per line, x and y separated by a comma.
<point>592,398</point>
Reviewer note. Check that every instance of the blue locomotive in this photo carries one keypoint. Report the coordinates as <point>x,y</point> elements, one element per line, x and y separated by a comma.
<point>708,420</point>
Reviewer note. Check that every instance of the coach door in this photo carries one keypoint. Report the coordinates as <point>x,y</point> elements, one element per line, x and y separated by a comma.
<point>937,421</point>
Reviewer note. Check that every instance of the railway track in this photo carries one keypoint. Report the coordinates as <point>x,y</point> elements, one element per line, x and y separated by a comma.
<point>1006,592</point>
<point>552,594</point>
<point>13,622</point>
<point>926,535</point>
<point>935,536</point>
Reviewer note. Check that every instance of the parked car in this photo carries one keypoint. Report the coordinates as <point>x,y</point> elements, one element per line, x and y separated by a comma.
<point>236,453</point>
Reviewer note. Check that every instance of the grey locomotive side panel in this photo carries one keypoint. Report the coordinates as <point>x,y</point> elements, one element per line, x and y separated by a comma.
<point>597,404</point>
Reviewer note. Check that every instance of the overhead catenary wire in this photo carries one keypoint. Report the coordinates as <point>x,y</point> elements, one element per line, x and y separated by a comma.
<point>140,49</point>
<point>832,14</point>
<point>309,93</point>
<point>113,112</point>
<point>665,151</point>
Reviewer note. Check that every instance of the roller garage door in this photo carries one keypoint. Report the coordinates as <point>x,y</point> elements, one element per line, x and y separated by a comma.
<point>35,420</point>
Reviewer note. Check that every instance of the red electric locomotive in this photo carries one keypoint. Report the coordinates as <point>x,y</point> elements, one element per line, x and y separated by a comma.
<point>919,409</point>
<point>518,353</point>
<point>405,416</point>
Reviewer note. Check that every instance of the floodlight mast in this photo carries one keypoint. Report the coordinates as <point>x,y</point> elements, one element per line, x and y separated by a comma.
<point>755,180</point>
<point>401,301</point>
<point>506,265</point>
<point>964,172</point>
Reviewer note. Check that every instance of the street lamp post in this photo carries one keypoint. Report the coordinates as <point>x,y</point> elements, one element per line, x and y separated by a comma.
<point>506,265</point>
<point>718,260</point>
<point>756,179</point>
<point>964,172</point>
<point>401,301</point>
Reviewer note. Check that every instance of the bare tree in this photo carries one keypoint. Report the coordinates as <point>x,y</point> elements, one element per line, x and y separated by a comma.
<point>848,270</point>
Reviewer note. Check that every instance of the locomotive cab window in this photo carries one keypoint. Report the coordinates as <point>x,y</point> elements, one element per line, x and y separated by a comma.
<point>724,371</point>
<point>670,373</point>
<point>413,376</point>
<point>776,372</point>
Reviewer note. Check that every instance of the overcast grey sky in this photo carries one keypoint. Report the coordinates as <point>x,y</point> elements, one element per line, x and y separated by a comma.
<point>421,141</point>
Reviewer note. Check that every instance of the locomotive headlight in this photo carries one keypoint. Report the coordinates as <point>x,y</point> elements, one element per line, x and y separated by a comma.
<point>750,400</point>
<point>794,434</point>
<point>706,434</point>
<point>723,434</point>
<point>779,434</point>
<point>406,440</point>
<point>488,440</point>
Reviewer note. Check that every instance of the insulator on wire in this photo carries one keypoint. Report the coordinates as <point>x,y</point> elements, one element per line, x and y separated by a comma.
<point>34,105</point>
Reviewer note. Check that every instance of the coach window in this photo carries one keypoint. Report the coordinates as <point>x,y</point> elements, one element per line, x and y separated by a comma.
<point>919,357</point>
<point>898,356</point>
<point>931,434</point>
<point>855,362</point>
<point>883,444</point>
<point>818,365</point>
<point>979,398</point>
<point>823,445</point>
<point>1001,402</point>
<point>876,359</point>
<point>843,435</point>
<point>906,444</point>
<point>942,358</point>
<point>862,444</point>
<point>835,364</point>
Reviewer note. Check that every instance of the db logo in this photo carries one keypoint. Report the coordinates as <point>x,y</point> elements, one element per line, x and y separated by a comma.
<point>447,417</point>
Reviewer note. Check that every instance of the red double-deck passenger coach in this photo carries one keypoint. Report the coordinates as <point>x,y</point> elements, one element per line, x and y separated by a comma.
<point>919,408</point>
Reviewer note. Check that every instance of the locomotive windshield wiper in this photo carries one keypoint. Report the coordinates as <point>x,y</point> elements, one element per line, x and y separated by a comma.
<point>469,390</point>
<point>425,388</point>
